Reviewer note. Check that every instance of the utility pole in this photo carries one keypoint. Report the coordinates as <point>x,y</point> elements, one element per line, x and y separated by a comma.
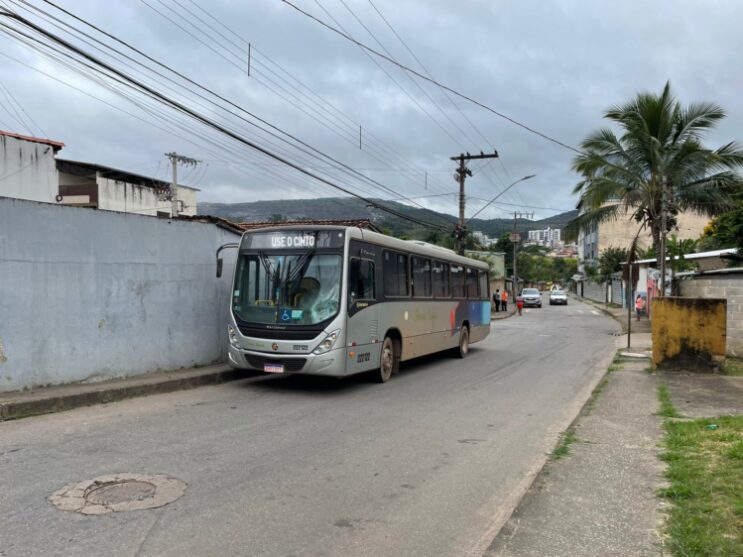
<point>460,231</point>
<point>176,159</point>
<point>515,239</point>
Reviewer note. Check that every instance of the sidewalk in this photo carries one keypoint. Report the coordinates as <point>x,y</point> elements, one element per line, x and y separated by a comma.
<point>599,499</point>
<point>495,315</point>
<point>20,404</point>
<point>620,314</point>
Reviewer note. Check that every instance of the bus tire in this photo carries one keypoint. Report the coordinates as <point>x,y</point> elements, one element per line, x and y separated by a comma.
<point>464,342</point>
<point>390,360</point>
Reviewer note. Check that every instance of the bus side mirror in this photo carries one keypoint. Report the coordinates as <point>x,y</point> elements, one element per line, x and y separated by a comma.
<point>220,263</point>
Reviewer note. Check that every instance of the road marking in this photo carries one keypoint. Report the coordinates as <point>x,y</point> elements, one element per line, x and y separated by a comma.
<point>594,312</point>
<point>580,311</point>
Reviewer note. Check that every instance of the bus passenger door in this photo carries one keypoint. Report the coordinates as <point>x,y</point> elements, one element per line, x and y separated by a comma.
<point>363,345</point>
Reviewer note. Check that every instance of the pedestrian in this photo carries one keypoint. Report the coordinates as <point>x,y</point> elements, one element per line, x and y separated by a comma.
<point>504,300</point>
<point>496,300</point>
<point>639,305</point>
<point>519,303</point>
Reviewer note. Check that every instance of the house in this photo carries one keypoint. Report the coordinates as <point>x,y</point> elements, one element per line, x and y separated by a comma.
<point>30,169</point>
<point>85,184</point>
<point>27,167</point>
<point>621,232</point>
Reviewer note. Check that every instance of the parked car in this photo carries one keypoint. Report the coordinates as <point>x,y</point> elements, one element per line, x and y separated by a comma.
<point>531,297</point>
<point>558,297</point>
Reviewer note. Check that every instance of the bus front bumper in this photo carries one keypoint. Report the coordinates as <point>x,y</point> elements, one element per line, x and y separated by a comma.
<point>331,363</point>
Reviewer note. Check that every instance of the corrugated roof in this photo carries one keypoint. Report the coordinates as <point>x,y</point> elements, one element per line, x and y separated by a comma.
<point>57,145</point>
<point>364,224</point>
<point>700,255</point>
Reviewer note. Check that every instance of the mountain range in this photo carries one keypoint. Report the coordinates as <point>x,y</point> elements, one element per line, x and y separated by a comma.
<point>350,208</point>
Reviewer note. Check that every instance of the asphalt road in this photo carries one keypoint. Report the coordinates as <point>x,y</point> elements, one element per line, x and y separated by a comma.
<point>429,464</point>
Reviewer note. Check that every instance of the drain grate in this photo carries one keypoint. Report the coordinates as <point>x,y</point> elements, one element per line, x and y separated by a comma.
<point>118,493</point>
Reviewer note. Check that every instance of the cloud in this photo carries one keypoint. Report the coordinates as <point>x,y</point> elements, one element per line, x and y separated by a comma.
<point>555,66</point>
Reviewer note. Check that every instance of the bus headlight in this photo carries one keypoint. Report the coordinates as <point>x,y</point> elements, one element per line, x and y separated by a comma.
<point>232,333</point>
<point>326,344</point>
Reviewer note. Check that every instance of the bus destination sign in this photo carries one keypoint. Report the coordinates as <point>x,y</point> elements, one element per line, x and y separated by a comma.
<point>294,239</point>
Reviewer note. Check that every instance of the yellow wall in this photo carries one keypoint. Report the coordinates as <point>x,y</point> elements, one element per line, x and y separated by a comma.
<point>688,333</point>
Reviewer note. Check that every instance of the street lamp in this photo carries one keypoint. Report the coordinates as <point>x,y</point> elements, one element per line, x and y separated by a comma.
<point>515,243</point>
<point>508,187</point>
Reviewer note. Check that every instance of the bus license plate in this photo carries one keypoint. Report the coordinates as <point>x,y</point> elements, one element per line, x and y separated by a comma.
<point>273,368</point>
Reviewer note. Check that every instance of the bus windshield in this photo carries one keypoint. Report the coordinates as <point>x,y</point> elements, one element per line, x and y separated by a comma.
<point>298,289</point>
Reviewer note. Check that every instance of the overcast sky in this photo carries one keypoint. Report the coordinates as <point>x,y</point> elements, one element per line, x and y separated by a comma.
<point>553,65</point>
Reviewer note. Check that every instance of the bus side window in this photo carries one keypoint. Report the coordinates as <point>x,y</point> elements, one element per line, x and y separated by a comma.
<point>457,282</point>
<point>421,277</point>
<point>361,280</point>
<point>440,280</point>
<point>395,272</point>
<point>472,293</point>
<point>484,294</point>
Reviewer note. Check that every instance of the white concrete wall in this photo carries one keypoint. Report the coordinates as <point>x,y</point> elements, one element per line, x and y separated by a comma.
<point>115,195</point>
<point>92,295</point>
<point>729,287</point>
<point>27,170</point>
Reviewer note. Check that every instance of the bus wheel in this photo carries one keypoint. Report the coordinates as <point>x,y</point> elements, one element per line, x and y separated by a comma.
<point>389,361</point>
<point>464,342</point>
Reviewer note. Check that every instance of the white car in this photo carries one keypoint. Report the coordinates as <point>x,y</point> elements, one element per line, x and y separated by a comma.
<point>558,297</point>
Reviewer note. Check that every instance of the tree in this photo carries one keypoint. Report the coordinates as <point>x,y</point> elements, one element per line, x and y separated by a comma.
<point>610,262</point>
<point>277,218</point>
<point>725,231</point>
<point>659,150</point>
<point>677,249</point>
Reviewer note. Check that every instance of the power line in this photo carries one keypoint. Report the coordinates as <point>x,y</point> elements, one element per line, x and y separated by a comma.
<point>340,164</point>
<point>437,83</point>
<point>141,87</point>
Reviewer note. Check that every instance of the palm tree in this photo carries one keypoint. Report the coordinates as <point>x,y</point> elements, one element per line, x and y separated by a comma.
<point>660,149</point>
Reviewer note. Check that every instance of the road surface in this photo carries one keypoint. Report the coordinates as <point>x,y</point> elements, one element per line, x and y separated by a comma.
<point>429,464</point>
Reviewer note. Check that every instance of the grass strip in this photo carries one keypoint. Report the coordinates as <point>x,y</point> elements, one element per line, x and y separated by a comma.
<point>733,366</point>
<point>667,409</point>
<point>705,474</point>
<point>567,438</point>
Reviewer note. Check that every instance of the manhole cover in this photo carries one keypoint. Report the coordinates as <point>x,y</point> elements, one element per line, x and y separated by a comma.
<point>117,493</point>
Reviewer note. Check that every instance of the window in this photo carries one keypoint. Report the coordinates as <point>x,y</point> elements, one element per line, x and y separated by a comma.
<point>440,279</point>
<point>421,277</point>
<point>457,281</point>
<point>295,289</point>
<point>361,280</point>
<point>484,285</point>
<point>472,283</point>
<point>395,268</point>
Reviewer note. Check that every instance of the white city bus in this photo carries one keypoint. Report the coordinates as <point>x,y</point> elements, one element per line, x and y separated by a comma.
<point>331,300</point>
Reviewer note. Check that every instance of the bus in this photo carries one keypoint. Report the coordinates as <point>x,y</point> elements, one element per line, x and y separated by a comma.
<point>338,301</point>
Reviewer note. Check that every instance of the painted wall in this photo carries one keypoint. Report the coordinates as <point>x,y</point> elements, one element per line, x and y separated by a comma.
<point>114,195</point>
<point>27,169</point>
<point>730,288</point>
<point>688,333</point>
<point>93,295</point>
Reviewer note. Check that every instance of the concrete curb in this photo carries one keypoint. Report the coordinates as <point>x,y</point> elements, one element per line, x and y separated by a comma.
<point>57,399</point>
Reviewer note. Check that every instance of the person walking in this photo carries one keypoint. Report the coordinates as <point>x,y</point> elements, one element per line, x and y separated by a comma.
<point>496,300</point>
<point>504,300</point>
<point>639,305</point>
<point>519,303</point>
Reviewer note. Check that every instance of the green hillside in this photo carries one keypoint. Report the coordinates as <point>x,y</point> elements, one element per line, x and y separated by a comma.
<point>349,208</point>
